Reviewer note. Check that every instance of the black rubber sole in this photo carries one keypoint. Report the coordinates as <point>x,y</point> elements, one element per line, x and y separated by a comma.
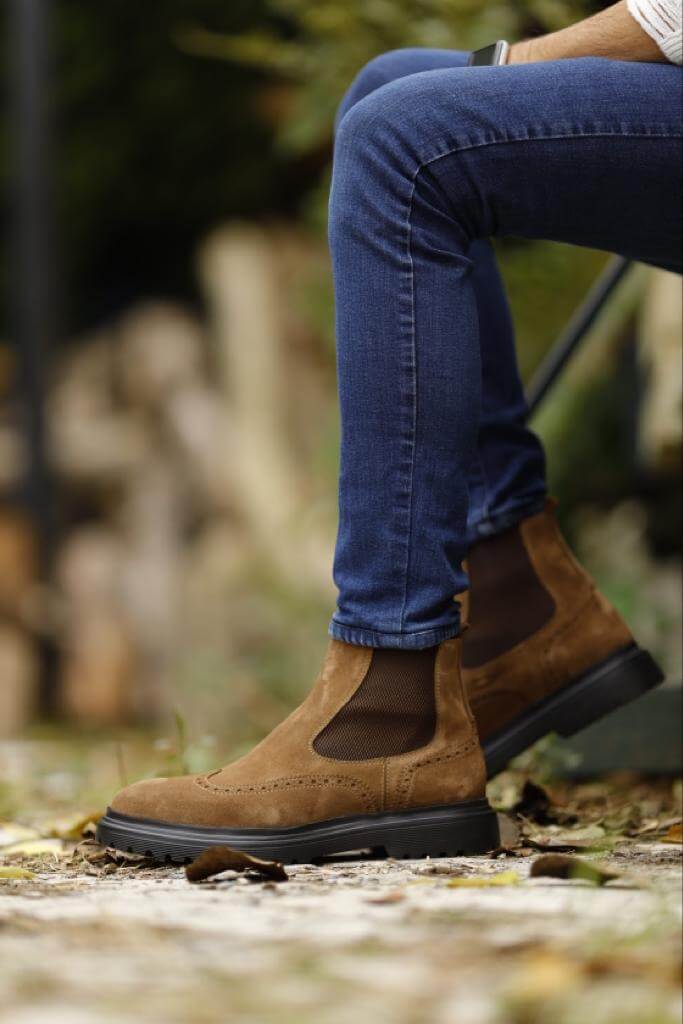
<point>622,678</point>
<point>467,828</point>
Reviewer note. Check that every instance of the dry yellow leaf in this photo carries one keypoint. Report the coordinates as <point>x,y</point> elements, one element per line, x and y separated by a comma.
<point>8,872</point>
<point>11,833</point>
<point>71,827</point>
<point>484,881</point>
<point>37,848</point>
<point>675,834</point>
<point>393,896</point>
<point>545,974</point>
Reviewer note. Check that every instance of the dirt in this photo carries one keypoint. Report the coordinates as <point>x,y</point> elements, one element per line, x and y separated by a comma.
<point>340,942</point>
<point>93,938</point>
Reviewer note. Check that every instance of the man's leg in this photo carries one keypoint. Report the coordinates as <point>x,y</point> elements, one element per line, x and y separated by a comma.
<point>383,752</point>
<point>360,764</point>
<point>507,478</point>
<point>424,166</point>
<point>538,626</point>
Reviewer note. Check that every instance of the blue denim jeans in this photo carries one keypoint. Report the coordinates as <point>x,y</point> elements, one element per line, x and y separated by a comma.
<point>432,159</point>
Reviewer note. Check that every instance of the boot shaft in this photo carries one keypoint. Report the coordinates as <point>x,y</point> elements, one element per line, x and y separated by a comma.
<point>535,620</point>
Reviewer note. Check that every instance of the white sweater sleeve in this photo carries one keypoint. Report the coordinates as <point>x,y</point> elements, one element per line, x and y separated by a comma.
<point>661,19</point>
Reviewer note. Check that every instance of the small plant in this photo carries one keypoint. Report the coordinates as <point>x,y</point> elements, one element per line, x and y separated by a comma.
<point>180,756</point>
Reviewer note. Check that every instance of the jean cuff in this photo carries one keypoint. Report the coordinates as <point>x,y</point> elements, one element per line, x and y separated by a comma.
<point>403,641</point>
<point>497,522</point>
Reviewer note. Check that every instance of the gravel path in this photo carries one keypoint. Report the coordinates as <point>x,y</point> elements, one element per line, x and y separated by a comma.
<point>344,943</point>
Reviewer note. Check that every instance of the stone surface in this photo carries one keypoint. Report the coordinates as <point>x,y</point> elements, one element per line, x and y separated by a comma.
<point>345,941</point>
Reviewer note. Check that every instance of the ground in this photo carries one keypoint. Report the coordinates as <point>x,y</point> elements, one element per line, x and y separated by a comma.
<point>90,936</point>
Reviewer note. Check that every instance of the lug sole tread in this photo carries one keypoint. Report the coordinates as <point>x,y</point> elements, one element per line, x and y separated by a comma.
<point>463,829</point>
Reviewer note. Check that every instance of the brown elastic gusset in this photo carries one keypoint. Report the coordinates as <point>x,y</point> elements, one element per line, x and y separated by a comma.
<point>392,712</point>
<point>507,601</point>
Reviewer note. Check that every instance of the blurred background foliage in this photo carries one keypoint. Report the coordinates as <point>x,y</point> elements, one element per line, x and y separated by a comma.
<point>173,118</point>
<point>157,143</point>
<point>329,41</point>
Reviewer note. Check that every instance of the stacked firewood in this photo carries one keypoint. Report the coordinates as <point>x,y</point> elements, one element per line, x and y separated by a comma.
<point>661,420</point>
<point>183,449</point>
<point>18,655</point>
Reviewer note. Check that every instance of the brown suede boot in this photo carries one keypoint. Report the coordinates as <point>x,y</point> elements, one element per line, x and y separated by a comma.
<point>544,651</point>
<point>382,754</point>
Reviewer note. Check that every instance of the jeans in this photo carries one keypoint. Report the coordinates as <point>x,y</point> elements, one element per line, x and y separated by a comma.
<point>432,159</point>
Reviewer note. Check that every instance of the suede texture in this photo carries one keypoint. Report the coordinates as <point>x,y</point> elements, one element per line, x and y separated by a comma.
<point>284,782</point>
<point>583,631</point>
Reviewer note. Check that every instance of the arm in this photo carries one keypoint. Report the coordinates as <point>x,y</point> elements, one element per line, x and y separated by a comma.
<point>612,33</point>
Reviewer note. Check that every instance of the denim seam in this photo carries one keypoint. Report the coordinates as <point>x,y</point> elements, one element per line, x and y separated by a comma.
<point>382,632</point>
<point>545,138</point>
<point>413,398</point>
<point>411,279</point>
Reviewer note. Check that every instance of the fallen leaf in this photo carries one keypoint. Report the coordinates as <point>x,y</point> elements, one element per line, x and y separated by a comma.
<point>505,851</point>
<point>71,827</point>
<point>536,805</point>
<point>559,865</point>
<point>544,975</point>
<point>393,896</point>
<point>431,868</point>
<point>126,859</point>
<point>558,845</point>
<point>657,966</point>
<point>554,839</point>
<point>621,820</point>
<point>484,881</point>
<point>217,859</point>
<point>89,850</point>
<point>36,848</point>
<point>675,834</point>
<point>652,825</point>
<point>14,874</point>
<point>11,834</point>
<point>584,834</point>
<point>101,856</point>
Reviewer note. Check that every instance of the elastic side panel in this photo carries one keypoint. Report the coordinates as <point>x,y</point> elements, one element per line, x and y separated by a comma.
<point>507,601</point>
<point>392,711</point>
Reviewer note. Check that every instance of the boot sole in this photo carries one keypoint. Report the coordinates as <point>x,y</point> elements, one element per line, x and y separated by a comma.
<point>467,828</point>
<point>613,683</point>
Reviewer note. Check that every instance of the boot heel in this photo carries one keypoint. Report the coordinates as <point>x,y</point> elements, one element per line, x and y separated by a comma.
<point>630,676</point>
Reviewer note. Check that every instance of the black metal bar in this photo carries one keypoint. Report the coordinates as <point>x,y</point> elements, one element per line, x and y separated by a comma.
<point>574,333</point>
<point>33,283</point>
